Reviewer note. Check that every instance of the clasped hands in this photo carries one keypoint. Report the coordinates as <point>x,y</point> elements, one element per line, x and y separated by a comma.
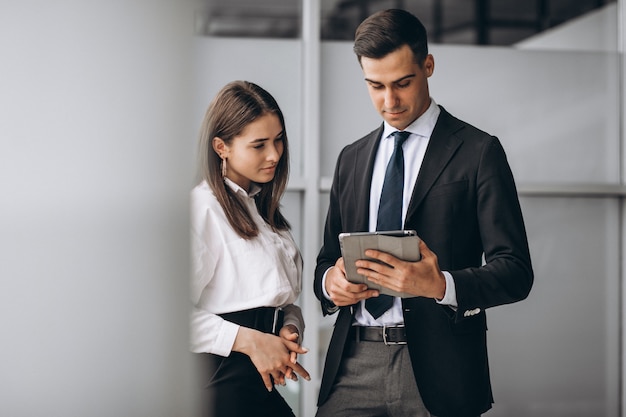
<point>422,278</point>
<point>273,356</point>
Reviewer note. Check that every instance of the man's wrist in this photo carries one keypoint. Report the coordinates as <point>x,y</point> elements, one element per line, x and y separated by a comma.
<point>324,292</point>
<point>441,290</point>
<point>449,297</point>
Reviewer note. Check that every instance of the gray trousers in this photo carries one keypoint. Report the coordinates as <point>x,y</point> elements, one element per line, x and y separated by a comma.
<point>374,380</point>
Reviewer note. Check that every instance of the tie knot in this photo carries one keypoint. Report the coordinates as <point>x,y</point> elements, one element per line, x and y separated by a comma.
<point>399,137</point>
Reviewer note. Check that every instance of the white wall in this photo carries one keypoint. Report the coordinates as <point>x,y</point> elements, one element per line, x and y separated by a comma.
<point>95,168</point>
<point>594,31</point>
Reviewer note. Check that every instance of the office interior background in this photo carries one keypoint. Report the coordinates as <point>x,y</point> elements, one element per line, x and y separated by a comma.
<point>101,105</point>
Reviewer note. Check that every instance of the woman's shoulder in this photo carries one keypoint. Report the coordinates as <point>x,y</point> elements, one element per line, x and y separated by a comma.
<point>203,199</point>
<point>202,193</point>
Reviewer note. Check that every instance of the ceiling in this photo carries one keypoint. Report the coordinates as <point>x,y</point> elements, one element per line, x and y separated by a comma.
<point>482,22</point>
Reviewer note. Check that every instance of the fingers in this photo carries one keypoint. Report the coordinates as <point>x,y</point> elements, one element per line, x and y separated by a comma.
<point>346,298</point>
<point>341,291</point>
<point>387,260</point>
<point>267,380</point>
<point>294,367</point>
<point>299,369</point>
<point>425,250</point>
<point>421,278</point>
<point>276,363</point>
<point>279,377</point>
<point>293,358</point>
<point>294,347</point>
<point>290,375</point>
<point>289,332</point>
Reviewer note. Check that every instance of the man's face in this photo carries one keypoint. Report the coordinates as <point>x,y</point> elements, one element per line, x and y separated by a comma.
<point>398,86</point>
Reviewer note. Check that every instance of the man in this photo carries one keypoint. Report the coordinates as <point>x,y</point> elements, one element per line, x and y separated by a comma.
<point>425,355</point>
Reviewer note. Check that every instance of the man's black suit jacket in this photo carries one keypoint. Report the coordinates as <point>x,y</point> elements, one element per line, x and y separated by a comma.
<point>464,204</point>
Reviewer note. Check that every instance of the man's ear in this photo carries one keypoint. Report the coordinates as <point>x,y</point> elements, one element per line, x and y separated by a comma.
<point>220,147</point>
<point>429,65</point>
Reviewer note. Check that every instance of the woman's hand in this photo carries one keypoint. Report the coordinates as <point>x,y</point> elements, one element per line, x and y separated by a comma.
<point>271,355</point>
<point>290,333</point>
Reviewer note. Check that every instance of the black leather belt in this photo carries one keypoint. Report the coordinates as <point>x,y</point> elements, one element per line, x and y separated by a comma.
<point>389,335</point>
<point>264,319</point>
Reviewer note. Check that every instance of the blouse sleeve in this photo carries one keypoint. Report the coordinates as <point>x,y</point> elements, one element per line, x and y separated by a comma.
<point>211,334</point>
<point>208,332</point>
<point>293,315</point>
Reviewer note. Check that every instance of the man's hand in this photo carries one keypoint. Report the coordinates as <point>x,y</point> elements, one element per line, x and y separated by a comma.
<point>422,278</point>
<point>341,291</point>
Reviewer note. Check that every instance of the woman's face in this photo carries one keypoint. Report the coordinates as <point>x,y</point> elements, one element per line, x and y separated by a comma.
<point>254,154</point>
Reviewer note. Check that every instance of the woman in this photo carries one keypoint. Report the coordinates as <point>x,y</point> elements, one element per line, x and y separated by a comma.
<point>247,268</point>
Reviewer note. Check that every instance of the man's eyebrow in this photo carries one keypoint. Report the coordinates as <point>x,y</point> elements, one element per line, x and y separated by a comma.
<point>393,82</point>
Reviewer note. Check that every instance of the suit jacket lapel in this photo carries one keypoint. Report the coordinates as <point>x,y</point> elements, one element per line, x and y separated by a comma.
<point>363,168</point>
<point>441,147</point>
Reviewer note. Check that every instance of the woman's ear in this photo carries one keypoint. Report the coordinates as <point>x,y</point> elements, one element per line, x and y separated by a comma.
<point>220,147</point>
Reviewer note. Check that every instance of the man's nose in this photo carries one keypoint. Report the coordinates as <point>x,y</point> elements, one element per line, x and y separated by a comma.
<point>391,98</point>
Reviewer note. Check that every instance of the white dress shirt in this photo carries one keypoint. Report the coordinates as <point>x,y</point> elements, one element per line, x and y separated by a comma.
<point>233,274</point>
<point>414,149</point>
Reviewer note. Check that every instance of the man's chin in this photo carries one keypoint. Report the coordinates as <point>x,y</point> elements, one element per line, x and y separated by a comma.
<point>398,124</point>
<point>396,120</point>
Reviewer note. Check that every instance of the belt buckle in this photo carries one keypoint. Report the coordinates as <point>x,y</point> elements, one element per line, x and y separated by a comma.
<point>388,343</point>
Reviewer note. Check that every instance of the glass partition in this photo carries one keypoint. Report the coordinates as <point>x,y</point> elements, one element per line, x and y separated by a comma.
<point>557,353</point>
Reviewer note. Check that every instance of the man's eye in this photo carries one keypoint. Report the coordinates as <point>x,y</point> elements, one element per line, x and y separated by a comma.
<point>403,85</point>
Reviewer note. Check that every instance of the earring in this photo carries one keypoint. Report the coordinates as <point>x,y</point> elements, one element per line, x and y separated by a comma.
<point>224,168</point>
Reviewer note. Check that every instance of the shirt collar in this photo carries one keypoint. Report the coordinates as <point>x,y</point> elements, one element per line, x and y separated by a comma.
<point>422,126</point>
<point>254,188</point>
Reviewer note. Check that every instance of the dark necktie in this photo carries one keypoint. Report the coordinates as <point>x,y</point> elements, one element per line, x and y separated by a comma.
<point>390,211</point>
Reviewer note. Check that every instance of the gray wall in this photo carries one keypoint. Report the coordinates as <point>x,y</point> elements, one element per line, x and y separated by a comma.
<point>95,168</point>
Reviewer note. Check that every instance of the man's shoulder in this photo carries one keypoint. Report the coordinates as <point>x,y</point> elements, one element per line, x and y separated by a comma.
<point>366,140</point>
<point>459,127</point>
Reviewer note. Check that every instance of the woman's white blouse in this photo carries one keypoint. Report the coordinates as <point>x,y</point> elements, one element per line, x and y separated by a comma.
<point>233,274</point>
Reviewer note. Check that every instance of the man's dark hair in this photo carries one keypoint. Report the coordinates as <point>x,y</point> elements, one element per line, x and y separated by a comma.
<point>387,30</point>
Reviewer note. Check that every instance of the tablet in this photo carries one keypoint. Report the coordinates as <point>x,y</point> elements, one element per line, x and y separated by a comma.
<point>403,244</point>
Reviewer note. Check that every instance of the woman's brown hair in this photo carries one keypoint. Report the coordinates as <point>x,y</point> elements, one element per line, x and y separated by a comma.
<point>238,104</point>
